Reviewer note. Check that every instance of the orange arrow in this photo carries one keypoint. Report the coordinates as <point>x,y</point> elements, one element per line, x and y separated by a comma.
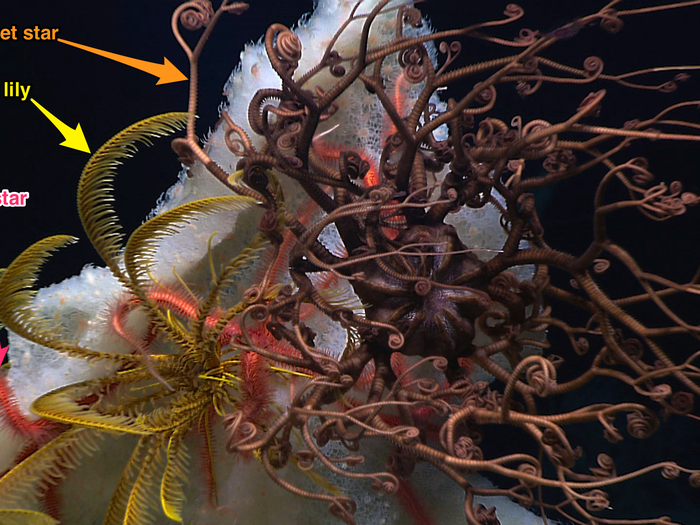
<point>166,72</point>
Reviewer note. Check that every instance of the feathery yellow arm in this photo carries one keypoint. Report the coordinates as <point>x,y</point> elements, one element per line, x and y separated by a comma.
<point>17,311</point>
<point>25,517</point>
<point>95,197</point>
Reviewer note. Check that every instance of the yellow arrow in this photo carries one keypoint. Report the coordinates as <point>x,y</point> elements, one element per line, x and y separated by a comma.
<point>74,137</point>
<point>166,72</point>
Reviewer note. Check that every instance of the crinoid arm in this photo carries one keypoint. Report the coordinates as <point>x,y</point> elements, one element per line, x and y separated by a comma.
<point>350,304</point>
<point>26,517</point>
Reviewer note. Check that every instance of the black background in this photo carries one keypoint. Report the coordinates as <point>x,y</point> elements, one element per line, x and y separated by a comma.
<point>105,97</point>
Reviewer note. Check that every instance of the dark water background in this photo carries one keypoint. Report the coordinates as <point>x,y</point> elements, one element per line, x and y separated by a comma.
<point>105,97</point>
